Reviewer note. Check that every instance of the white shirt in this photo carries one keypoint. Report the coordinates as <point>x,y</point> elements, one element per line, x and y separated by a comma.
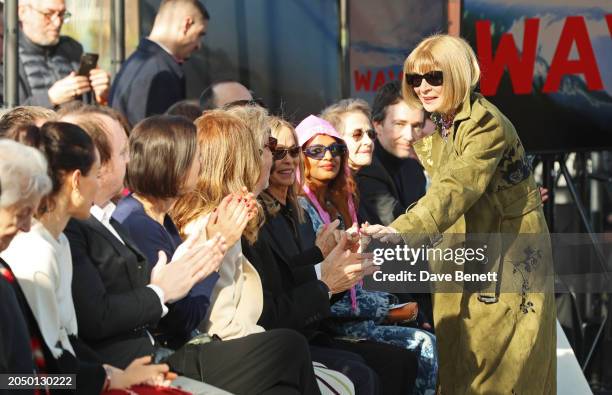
<point>43,268</point>
<point>104,214</point>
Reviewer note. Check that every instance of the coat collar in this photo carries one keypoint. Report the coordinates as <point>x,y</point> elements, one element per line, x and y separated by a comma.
<point>153,48</point>
<point>280,237</point>
<point>119,247</point>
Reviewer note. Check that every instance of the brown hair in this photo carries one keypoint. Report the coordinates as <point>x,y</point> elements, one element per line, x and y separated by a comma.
<point>230,161</point>
<point>15,121</point>
<point>162,150</point>
<point>79,109</point>
<point>88,118</point>
<point>189,109</point>
<point>339,189</point>
<point>66,147</point>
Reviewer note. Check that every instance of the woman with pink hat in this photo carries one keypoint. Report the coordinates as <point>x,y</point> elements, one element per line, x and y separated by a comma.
<point>330,194</point>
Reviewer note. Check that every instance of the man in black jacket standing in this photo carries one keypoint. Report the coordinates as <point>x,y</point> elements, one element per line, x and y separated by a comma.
<point>48,61</point>
<point>152,79</point>
<point>395,179</point>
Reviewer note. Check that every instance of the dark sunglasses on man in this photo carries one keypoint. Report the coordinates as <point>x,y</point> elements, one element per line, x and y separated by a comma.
<point>433,78</point>
<point>280,153</point>
<point>318,151</point>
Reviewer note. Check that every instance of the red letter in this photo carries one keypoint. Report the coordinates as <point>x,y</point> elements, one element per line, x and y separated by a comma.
<point>362,81</point>
<point>521,70</point>
<point>574,30</point>
<point>391,74</point>
<point>609,22</point>
<point>379,81</point>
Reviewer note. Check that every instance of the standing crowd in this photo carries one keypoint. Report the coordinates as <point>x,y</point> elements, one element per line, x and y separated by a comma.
<point>144,235</point>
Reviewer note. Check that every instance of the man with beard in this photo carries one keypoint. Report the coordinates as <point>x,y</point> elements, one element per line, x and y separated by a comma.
<point>48,61</point>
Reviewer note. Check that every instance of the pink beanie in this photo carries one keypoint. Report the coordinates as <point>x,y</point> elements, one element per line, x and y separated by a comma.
<point>312,126</point>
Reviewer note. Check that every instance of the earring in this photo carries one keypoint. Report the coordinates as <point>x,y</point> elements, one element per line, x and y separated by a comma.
<point>77,196</point>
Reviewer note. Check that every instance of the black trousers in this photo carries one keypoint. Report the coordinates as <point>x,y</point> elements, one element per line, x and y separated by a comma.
<point>273,362</point>
<point>351,365</point>
<point>396,367</point>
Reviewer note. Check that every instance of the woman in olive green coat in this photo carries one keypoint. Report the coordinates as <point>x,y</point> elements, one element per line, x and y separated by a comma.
<point>500,339</point>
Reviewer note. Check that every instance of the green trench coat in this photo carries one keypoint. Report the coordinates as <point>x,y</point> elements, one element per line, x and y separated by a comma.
<point>481,183</point>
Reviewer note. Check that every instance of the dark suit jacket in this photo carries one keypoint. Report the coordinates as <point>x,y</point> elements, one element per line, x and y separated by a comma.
<point>114,306</point>
<point>149,82</point>
<point>20,329</point>
<point>293,296</point>
<point>380,201</point>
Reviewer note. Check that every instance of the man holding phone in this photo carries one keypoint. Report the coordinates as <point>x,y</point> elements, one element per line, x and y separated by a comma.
<point>49,62</point>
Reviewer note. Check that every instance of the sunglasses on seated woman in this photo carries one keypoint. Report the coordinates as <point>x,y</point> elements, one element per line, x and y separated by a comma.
<point>433,78</point>
<point>280,153</point>
<point>318,151</point>
<point>270,144</point>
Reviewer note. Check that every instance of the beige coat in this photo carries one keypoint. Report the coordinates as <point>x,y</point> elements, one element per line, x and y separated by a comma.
<point>481,183</point>
<point>237,299</point>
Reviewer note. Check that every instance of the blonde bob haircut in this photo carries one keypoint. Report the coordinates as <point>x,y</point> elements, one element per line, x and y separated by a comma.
<point>230,160</point>
<point>457,61</point>
<point>277,124</point>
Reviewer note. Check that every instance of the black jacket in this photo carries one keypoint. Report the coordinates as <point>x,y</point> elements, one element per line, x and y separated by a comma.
<point>149,82</point>
<point>40,67</point>
<point>114,307</point>
<point>388,187</point>
<point>293,296</point>
<point>19,332</point>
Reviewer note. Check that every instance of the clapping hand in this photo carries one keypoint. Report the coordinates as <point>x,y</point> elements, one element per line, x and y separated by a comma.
<point>232,216</point>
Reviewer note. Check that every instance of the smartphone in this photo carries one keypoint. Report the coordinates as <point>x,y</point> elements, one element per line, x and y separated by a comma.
<point>89,61</point>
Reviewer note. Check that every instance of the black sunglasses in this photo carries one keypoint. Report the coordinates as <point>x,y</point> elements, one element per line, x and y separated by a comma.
<point>433,78</point>
<point>280,153</point>
<point>271,145</point>
<point>318,151</point>
<point>358,134</point>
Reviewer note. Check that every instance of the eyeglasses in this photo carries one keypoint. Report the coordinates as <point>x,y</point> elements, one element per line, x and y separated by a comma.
<point>433,78</point>
<point>318,151</point>
<point>358,134</point>
<point>280,153</point>
<point>64,16</point>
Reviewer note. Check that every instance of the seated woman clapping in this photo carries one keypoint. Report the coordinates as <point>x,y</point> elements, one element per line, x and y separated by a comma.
<point>41,261</point>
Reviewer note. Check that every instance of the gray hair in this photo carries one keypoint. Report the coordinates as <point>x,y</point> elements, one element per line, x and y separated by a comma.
<point>23,173</point>
<point>334,113</point>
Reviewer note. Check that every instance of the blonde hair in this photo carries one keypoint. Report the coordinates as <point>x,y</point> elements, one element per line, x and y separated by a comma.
<point>334,113</point>
<point>256,118</point>
<point>230,161</point>
<point>276,125</point>
<point>457,61</point>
